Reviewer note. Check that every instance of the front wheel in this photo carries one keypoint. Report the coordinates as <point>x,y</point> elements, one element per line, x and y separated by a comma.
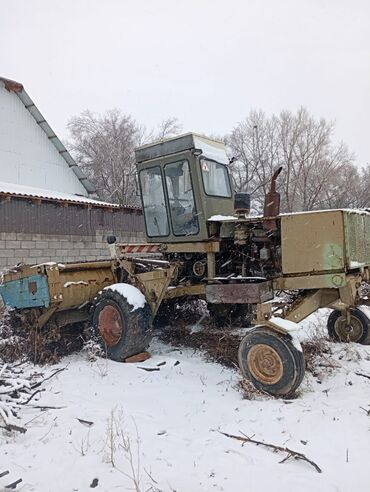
<point>271,361</point>
<point>354,329</point>
<point>122,321</point>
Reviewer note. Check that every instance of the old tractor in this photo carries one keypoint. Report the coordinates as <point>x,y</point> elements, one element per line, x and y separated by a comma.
<point>202,242</point>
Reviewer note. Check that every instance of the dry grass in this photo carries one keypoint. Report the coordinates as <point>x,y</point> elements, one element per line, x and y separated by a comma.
<point>20,340</point>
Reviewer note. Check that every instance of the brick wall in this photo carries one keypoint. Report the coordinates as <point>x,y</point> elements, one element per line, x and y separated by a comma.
<point>29,248</point>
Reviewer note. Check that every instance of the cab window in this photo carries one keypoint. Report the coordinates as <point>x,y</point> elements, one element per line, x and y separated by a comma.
<point>215,178</point>
<point>181,198</point>
<point>155,214</point>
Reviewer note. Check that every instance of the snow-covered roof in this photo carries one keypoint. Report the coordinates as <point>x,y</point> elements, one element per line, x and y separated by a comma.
<point>22,191</point>
<point>18,89</point>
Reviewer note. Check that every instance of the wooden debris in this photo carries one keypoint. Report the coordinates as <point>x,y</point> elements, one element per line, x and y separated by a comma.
<point>150,369</point>
<point>18,387</point>
<point>362,375</point>
<point>290,452</point>
<point>143,356</point>
<point>85,422</point>
<point>14,484</point>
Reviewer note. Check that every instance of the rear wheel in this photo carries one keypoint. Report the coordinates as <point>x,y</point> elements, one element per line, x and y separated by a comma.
<point>271,361</point>
<point>122,330</point>
<point>356,329</point>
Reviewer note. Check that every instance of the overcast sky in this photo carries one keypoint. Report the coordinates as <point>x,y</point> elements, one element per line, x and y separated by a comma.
<point>207,62</point>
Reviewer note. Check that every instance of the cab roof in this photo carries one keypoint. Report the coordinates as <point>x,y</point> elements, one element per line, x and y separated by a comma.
<point>206,147</point>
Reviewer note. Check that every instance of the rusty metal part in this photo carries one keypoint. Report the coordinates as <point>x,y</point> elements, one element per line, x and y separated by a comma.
<point>198,290</point>
<point>12,85</point>
<point>348,330</point>
<point>111,325</point>
<point>265,364</point>
<point>241,233</point>
<point>252,293</point>
<point>153,283</point>
<point>272,204</point>
<point>199,268</point>
<point>204,247</point>
<point>142,357</point>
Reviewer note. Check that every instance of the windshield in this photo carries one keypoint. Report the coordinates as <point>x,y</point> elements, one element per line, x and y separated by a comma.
<point>180,194</point>
<point>155,214</point>
<point>215,178</point>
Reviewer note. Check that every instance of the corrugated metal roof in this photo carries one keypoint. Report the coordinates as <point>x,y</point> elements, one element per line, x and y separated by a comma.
<point>18,89</point>
<point>15,190</point>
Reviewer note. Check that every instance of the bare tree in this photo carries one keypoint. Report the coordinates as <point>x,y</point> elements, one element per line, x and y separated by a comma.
<point>103,145</point>
<point>168,128</point>
<point>300,144</point>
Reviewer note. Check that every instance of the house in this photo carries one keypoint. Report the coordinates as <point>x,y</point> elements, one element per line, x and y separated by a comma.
<point>47,209</point>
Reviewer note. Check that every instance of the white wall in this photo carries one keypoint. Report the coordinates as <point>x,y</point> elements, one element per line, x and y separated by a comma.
<point>27,157</point>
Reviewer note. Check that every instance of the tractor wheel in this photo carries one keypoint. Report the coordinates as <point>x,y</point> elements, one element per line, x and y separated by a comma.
<point>223,315</point>
<point>271,361</point>
<point>121,329</point>
<point>358,329</point>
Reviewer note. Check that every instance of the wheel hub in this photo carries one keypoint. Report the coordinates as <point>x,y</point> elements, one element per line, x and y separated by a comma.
<point>110,325</point>
<point>265,364</point>
<point>349,332</point>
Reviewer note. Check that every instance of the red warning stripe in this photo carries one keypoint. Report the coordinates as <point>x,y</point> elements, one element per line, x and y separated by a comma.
<point>139,248</point>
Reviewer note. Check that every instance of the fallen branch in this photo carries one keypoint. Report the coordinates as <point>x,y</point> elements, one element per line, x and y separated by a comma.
<point>17,390</point>
<point>13,485</point>
<point>13,427</point>
<point>362,375</point>
<point>39,383</point>
<point>85,422</point>
<point>367,411</point>
<point>290,452</point>
<point>30,398</point>
<point>150,369</point>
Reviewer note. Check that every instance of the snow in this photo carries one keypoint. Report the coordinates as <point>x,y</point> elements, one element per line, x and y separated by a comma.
<point>348,210</point>
<point>171,418</point>
<point>132,294</point>
<point>356,264</point>
<point>80,282</point>
<point>222,218</point>
<point>289,327</point>
<point>22,190</point>
<point>215,151</point>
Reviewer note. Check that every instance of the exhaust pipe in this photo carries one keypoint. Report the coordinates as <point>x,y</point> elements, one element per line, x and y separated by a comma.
<point>272,203</point>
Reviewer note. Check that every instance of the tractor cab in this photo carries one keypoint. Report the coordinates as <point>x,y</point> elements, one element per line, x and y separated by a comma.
<point>183,182</point>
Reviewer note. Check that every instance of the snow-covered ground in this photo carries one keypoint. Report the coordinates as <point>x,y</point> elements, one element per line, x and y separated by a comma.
<point>160,428</point>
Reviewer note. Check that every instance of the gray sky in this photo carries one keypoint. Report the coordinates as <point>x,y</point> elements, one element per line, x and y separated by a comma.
<point>207,62</point>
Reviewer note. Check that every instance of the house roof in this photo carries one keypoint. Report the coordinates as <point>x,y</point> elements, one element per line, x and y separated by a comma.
<point>18,89</point>
<point>12,190</point>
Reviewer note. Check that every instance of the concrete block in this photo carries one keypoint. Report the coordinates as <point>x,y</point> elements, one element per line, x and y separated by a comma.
<point>5,253</point>
<point>38,253</point>
<point>49,252</point>
<point>54,244</point>
<point>23,236</point>
<point>8,236</point>
<point>41,244</point>
<point>12,244</point>
<point>27,244</point>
